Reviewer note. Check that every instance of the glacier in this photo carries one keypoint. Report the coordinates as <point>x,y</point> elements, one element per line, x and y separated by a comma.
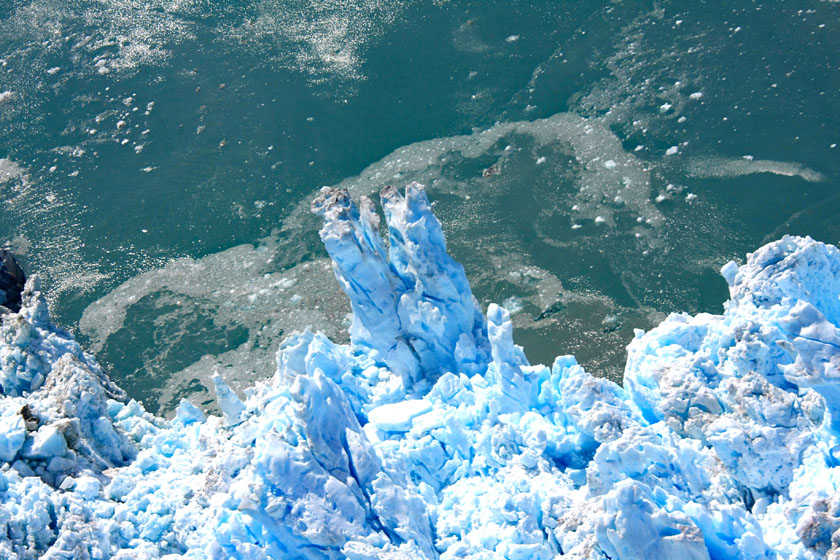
<point>430,435</point>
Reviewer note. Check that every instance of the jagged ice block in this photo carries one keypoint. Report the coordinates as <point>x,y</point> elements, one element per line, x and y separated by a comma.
<point>431,436</point>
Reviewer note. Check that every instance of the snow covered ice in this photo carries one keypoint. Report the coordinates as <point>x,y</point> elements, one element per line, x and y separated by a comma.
<point>431,436</point>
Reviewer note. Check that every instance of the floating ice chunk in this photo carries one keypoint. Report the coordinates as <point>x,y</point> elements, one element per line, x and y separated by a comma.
<point>11,171</point>
<point>728,271</point>
<point>513,305</point>
<point>671,151</point>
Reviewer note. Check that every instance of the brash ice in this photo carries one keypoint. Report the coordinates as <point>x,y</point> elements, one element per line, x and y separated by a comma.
<point>431,436</point>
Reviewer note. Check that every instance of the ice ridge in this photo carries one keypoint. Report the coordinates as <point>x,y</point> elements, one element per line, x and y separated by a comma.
<point>431,436</point>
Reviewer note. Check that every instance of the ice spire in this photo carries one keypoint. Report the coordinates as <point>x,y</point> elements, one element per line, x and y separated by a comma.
<point>437,310</point>
<point>508,360</point>
<point>413,305</point>
<point>360,264</point>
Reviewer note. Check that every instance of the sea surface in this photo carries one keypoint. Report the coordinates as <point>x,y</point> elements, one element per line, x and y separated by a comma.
<point>594,164</point>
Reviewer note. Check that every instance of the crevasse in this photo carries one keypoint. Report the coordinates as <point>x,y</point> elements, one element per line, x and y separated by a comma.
<point>431,436</point>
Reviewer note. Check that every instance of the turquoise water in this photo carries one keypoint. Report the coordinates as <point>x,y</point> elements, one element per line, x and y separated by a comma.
<point>157,158</point>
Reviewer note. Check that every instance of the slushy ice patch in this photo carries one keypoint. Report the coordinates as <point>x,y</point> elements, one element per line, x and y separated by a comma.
<point>225,311</point>
<point>430,435</point>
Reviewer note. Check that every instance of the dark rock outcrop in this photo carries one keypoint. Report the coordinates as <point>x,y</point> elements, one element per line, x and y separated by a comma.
<point>12,280</point>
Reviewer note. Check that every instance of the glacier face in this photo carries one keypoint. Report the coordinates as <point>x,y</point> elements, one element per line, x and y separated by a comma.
<point>431,436</point>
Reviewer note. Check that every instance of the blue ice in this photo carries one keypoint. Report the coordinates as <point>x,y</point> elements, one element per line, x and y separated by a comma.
<point>431,436</point>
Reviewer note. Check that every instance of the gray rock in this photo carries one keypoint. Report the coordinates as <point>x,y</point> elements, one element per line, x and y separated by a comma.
<point>12,280</point>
